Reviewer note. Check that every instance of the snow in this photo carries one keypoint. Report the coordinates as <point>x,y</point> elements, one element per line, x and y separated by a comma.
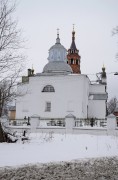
<point>45,148</point>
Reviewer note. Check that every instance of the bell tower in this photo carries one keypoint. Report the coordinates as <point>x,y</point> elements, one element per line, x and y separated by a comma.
<point>73,57</point>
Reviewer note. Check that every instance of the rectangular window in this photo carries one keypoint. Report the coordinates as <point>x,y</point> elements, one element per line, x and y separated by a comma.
<point>48,106</point>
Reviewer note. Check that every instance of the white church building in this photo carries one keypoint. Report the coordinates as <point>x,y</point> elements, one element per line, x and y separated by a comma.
<point>61,95</point>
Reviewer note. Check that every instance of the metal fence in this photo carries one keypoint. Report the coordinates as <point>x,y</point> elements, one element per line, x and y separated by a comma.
<point>91,122</point>
<point>18,122</point>
<point>61,122</point>
<point>54,122</point>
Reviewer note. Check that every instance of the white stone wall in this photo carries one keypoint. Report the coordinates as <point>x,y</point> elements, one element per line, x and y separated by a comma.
<point>70,96</point>
<point>97,88</point>
<point>22,101</point>
<point>97,109</point>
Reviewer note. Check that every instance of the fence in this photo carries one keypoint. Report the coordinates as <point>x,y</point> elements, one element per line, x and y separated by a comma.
<point>18,122</point>
<point>91,122</point>
<point>65,125</point>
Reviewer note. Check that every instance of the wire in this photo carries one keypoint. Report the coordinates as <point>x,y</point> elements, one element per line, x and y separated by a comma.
<point>100,73</point>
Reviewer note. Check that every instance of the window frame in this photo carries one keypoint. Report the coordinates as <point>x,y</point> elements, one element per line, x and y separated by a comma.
<point>48,88</point>
<point>48,106</point>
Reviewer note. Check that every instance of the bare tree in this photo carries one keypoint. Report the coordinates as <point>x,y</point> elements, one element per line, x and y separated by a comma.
<point>11,58</point>
<point>111,105</point>
<point>7,93</point>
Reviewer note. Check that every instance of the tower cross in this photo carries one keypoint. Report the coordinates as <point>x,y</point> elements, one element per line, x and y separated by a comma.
<point>57,30</point>
<point>73,26</point>
<point>58,39</point>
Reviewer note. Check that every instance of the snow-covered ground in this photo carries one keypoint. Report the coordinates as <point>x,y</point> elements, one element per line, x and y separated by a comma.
<point>43,148</point>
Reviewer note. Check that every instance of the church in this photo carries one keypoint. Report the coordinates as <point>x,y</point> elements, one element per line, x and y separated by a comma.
<point>61,91</point>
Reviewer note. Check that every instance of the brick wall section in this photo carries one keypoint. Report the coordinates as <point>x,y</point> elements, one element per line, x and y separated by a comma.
<point>74,65</point>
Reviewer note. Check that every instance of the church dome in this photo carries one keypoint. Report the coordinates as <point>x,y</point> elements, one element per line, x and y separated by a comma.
<point>57,67</point>
<point>57,52</point>
<point>57,59</point>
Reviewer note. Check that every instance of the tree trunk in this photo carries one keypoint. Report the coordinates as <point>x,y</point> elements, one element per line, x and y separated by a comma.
<point>2,136</point>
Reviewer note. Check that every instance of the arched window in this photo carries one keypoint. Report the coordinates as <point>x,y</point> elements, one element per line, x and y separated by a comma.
<point>72,61</point>
<point>48,88</point>
<point>77,61</point>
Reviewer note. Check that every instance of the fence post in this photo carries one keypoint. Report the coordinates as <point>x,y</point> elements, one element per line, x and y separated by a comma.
<point>111,123</point>
<point>34,121</point>
<point>69,119</point>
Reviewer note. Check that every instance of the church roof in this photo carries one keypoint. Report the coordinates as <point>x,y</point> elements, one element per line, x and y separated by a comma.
<point>57,46</point>
<point>73,46</point>
<point>57,67</point>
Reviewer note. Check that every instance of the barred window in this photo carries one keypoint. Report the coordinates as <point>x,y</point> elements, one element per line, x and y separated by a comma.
<point>48,88</point>
<point>48,106</point>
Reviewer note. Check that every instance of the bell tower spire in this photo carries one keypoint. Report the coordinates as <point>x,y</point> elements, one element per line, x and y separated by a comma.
<point>73,34</point>
<point>73,58</point>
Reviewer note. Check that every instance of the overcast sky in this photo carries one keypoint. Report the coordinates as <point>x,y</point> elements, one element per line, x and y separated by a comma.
<point>94,21</point>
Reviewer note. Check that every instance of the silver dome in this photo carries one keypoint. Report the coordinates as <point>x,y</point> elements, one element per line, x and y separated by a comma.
<point>57,67</point>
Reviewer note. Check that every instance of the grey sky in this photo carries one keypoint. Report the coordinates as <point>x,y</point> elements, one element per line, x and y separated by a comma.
<point>94,21</point>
